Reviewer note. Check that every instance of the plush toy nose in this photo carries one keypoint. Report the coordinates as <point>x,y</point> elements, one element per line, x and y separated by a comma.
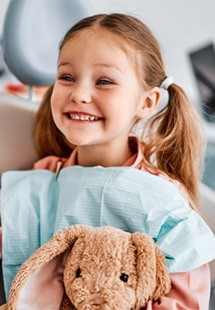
<point>96,299</point>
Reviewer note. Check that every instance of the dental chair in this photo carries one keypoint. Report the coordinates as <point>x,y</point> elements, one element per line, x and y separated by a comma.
<point>32,32</point>
<point>17,117</point>
<point>17,151</point>
<point>31,35</point>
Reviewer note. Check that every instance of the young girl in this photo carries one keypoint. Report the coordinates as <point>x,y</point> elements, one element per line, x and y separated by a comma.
<point>110,77</point>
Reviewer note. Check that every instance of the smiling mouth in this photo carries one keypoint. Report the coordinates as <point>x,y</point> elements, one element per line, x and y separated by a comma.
<point>82,117</point>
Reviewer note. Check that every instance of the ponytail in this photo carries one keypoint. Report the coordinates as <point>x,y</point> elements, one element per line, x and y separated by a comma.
<point>175,141</point>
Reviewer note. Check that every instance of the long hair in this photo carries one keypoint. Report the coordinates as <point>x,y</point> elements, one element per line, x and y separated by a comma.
<point>172,137</point>
<point>48,138</point>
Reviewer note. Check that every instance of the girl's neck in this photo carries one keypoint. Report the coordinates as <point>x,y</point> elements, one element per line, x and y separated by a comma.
<point>89,156</point>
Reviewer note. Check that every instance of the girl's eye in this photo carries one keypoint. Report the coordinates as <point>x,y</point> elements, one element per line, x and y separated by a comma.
<point>104,82</point>
<point>67,78</point>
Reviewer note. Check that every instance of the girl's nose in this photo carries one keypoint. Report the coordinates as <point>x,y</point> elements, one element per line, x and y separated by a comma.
<point>81,94</point>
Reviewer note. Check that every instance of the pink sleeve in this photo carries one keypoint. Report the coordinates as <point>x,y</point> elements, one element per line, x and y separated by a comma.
<point>49,163</point>
<point>190,290</point>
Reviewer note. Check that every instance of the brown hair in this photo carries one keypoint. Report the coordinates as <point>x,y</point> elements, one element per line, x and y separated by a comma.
<point>48,138</point>
<point>172,136</point>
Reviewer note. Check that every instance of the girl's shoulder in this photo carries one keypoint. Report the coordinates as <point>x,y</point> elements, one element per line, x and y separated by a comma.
<point>50,163</point>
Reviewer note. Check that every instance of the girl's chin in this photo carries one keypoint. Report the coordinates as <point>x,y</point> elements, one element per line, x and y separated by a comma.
<point>79,142</point>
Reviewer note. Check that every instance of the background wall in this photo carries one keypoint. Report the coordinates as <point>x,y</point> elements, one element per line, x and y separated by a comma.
<point>180,26</point>
<point>3,8</point>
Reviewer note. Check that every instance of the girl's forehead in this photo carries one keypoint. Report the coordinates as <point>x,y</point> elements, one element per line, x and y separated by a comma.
<point>98,34</point>
<point>102,37</point>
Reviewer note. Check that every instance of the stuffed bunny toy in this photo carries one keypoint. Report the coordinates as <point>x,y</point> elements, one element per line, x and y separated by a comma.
<point>83,267</point>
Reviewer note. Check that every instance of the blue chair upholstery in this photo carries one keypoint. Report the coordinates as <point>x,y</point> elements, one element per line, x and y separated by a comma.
<point>31,35</point>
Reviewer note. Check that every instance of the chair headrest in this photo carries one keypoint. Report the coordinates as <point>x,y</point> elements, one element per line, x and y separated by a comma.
<point>31,35</point>
<point>17,118</point>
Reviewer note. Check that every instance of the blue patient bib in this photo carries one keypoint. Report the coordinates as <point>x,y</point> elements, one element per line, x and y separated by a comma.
<point>35,205</point>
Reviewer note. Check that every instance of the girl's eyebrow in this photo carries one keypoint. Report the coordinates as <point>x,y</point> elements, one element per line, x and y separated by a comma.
<point>105,65</point>
<point>109,65</point>
<point>64,64</point>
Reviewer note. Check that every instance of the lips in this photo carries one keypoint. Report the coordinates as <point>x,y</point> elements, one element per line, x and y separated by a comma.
<point>82,116</point>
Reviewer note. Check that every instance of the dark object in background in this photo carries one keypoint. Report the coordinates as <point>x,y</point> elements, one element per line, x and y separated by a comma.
<point>2,65</point>
<point>203,65</point>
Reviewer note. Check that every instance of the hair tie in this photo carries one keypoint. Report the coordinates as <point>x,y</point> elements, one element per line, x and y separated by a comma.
<point>167,82</point>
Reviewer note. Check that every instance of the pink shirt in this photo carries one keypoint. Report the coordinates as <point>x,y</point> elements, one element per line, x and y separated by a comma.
<point>190,290</point>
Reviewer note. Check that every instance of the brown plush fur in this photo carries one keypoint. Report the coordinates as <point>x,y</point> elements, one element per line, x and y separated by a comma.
<point>97,261</point>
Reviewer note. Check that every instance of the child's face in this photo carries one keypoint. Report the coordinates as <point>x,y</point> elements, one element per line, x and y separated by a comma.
<point>97,94</point>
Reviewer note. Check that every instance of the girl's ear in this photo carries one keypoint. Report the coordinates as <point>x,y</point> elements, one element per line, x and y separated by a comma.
<point>149,102</point>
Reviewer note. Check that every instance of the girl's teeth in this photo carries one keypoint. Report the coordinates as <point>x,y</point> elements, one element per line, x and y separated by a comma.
<point>83,118</point>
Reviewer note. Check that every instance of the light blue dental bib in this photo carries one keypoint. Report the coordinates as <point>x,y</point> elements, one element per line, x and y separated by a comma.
<point>35,205</point>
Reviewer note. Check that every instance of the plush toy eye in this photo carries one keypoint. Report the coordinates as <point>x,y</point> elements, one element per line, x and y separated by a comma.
<point>124,277</point>
<point>78,272</point>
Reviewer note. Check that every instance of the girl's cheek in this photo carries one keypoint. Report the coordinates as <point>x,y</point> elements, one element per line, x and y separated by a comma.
<point>55,100</point>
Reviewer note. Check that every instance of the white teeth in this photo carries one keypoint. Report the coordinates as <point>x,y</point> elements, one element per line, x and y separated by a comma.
<point>83,117</point>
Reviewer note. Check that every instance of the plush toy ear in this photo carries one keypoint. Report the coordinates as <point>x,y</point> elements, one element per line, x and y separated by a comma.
<point>163,283</point>
<point>151,272</point>
<point>39,281</point>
